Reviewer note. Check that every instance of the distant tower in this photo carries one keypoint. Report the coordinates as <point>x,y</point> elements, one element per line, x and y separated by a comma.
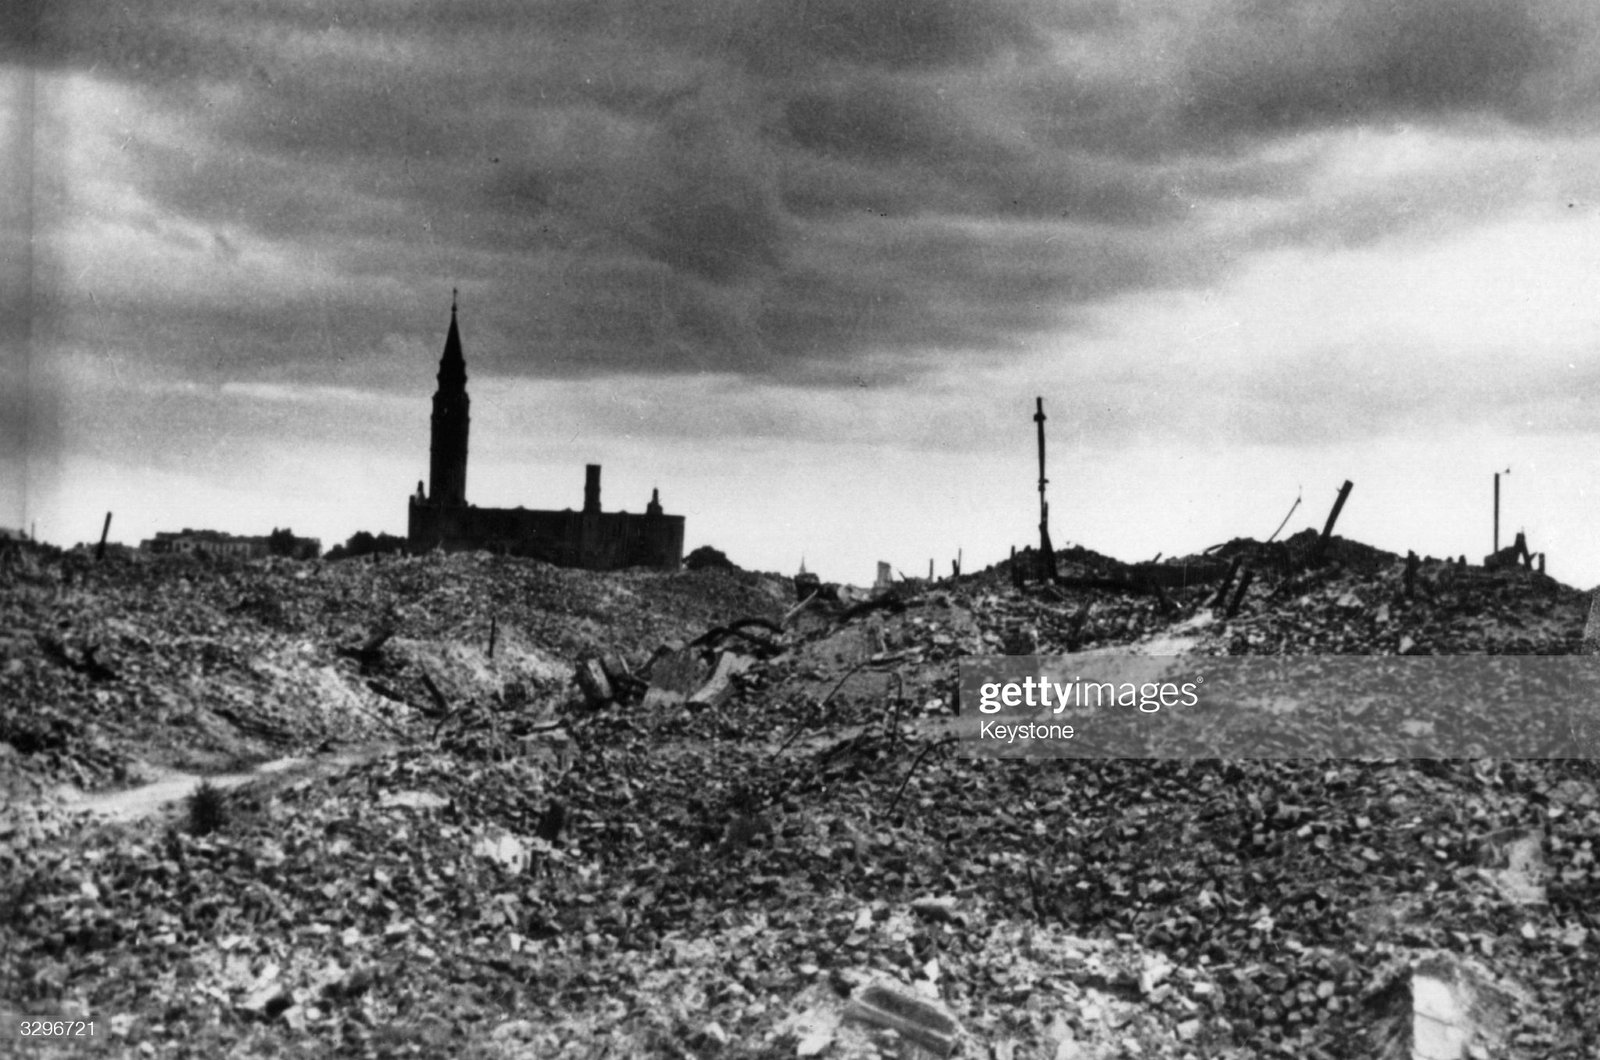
<point>447,456</point>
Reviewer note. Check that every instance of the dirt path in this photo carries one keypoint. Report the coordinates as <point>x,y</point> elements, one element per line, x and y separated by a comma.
<point>149,800</point>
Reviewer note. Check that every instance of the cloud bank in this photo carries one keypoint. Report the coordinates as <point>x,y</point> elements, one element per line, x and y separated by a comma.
<point>809,193</point>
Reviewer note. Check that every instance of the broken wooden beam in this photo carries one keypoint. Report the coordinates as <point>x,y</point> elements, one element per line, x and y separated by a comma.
<point>100,550</point>
<point>1333,517</point>
<point>790,615</point>
<point>1591,628</point>
<point>441,704</point>
<point>915,1018</point>
<point>1227,581</point>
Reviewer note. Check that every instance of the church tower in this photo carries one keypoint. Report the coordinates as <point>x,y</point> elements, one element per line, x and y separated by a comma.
<point>447,456</point>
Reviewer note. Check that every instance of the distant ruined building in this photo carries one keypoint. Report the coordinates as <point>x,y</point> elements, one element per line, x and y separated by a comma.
<point>216,543</point>
<point>591,538</point>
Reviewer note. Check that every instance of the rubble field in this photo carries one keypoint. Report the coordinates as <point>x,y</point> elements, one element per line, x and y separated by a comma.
<point>469,805</point>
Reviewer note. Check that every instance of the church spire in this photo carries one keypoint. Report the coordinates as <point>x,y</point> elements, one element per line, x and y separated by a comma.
<point>447,459</point>
<point>452,366</point>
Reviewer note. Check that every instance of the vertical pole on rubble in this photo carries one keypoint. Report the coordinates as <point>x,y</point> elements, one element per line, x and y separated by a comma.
<point>100,551</point>
<point>1497,475</point>
<point>1047,554</point>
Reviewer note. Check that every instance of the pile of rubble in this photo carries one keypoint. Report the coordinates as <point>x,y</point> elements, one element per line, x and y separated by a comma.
<point>1345,598</point>
<point>698,814</point>
<point>110,670</point>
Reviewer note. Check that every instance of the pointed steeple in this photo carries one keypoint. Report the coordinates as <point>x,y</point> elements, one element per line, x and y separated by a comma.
<point>452,366</point>
<point>447,458</point>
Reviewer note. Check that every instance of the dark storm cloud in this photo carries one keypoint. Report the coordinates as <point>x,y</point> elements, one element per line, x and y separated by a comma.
<point>1275,66</point>
<point>317,339</point>
<point>774,188</point>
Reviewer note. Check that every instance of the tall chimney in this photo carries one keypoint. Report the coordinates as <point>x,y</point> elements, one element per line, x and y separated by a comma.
<point>591,488</point>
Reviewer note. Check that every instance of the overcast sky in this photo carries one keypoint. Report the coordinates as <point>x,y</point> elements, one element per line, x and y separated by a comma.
<point>805,266</point>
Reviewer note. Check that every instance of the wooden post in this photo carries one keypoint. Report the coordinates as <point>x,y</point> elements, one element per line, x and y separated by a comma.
<point>1333,517</point>
<point>1411,574</point>
<point>494,628</point>
<point>1338,506</point>
<point>1591,628</point>
<point>1047,554</point>
<point>1244,587</point>
<point>1496,513</point>
<point>100,552</point>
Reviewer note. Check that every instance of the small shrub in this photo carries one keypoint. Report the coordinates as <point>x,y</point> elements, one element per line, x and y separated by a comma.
<point>208,809</point>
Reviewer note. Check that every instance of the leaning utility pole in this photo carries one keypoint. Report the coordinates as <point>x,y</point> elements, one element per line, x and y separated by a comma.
<point>1047,554</point>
